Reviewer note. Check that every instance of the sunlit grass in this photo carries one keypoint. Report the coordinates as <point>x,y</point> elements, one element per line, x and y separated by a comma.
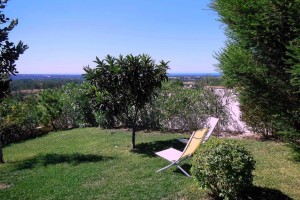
<point>276,167</point>
<point>90,163</point>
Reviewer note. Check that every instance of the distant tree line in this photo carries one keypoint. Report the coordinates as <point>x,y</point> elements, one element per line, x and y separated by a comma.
<point>40,84</point>
<point>30,84</point>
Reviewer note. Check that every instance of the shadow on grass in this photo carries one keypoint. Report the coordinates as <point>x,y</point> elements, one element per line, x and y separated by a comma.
<point>186,167</point>
<point>53,158</point>
<point>150,148</point>
<point>265,194</point>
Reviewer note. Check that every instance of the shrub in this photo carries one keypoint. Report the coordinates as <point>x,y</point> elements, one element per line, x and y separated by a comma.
<point>19,119</point>
<point>223,168</point>
<point>289,135</point>
<point>174,108</point>
<point>76,108</point>
<point>68,107</point>
<point>187,108</point>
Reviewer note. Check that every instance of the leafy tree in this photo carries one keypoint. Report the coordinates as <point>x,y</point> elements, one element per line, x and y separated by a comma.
<point>52,109</point>
<point>67,107</point>
<point>9,53</point>
<point>188,108</point>
<point>19,119</point>
<point>261,60</point>
<point>76,109</point>
<point>126,84</point>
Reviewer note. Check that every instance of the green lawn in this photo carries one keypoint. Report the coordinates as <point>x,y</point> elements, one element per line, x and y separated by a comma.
<point>90,163</point>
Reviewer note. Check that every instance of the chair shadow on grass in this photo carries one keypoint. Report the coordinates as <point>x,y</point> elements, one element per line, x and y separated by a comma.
<point>54,158</point>
<point>186,166</point>
<point>150,148</point>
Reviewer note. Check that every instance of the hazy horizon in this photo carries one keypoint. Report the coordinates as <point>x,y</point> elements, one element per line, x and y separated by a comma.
<point>77,74</point>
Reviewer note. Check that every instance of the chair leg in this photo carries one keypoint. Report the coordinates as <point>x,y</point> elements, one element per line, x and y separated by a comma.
<point>166,167</point>
<point>183,171</point>
<point>170,165</point>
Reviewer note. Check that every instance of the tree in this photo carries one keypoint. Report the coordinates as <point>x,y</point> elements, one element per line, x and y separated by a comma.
<point>52,108</point>
<point>126,84</point>
<point>9,53</point>
<point>19,119</point>
<point>261,60</point>
<point>75,104</point>
<point>187,109</point>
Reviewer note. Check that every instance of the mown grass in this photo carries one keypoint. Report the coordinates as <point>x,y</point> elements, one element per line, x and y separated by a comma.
<point>90,163</point>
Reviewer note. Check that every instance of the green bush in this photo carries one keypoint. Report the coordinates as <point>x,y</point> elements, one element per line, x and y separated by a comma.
<point>223,168</point>
<point>68,107</point>
<point>289,135</point>
<point>19,120</point>
<point>175,108</point>
<point>187,108</point>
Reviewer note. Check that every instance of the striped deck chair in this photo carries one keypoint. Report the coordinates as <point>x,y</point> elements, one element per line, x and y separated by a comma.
<point>197,138</point>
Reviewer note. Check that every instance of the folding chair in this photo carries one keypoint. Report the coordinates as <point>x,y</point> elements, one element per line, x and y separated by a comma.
<point>211,123</point>
<point>197,138</point>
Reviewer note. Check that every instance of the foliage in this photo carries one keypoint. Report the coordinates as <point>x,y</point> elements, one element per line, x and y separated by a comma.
<point>182,108</point>
<point>150,117</point>
<point>126,85</point>
<point>52,109</point>
<point>76,109</point>
<point>217,104</point>
<point>19,119</point>
<point>67,107</point>
<point>176,108</point>
<point>223,168</point>
<point>188,108</point>
<point>289,135</point>
<point>208,80</point>
<point>9,52</point>
<point>261,60</point>
<point>293,59</point>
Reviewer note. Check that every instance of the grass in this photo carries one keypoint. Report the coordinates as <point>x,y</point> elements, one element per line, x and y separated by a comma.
<point>90,163</point>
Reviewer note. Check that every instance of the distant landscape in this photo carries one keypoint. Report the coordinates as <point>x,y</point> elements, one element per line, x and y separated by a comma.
<point>46,76</point>
<point>32,83</point>
<point>187,76</point>
<point>26,82</point>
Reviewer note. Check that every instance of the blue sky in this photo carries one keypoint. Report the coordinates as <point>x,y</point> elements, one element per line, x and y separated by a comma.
<point>65,35</point>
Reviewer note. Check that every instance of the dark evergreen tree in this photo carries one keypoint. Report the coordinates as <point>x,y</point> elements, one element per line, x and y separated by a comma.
<point>9,53</point>
<point>261,60</point>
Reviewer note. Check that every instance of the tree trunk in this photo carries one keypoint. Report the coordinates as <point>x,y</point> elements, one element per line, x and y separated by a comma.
<point>133,137</point>
<point>1,153</point>
<point>53,126</point>
<point>133,123</point>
